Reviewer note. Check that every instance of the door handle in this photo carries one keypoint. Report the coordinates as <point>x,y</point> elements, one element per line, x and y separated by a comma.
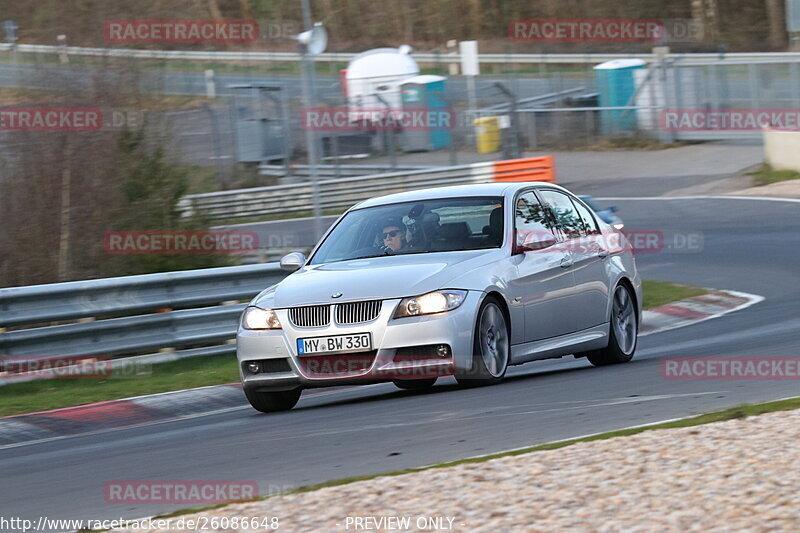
<point>598,250</point>
<point>566,263</point>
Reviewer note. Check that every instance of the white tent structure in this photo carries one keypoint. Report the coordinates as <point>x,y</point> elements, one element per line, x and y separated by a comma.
<point>378,72</point>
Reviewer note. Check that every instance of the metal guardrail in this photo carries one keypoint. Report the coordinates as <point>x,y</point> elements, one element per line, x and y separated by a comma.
<point>72,300</point>
<point>128,335</point>
<point>331,170</point>
<point>334,194</point>
<point>191,55</point>
<point>200,331</point>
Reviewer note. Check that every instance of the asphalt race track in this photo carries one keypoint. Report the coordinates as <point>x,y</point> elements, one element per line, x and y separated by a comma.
<point>747,245</point>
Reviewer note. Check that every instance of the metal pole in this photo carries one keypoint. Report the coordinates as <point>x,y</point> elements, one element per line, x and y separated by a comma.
<point>512,98</point>
<point>337,171</point>
<point>669,136</point>
<point>215,139</point>
<point>752,74</point>
<point>794,80</point>
<point>391,147</point>
<point>286,131</point>
<point>471,108</point>
<point>311,141</point>
<point>66,206</point>
<point>388,133</point>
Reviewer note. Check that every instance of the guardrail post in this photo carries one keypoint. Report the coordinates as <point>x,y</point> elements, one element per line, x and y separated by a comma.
<point>211,88</point>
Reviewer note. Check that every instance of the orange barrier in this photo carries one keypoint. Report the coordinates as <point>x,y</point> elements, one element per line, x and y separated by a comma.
<point>527,169</point>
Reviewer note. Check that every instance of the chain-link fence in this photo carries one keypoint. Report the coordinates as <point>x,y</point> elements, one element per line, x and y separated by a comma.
<point>515,106</point>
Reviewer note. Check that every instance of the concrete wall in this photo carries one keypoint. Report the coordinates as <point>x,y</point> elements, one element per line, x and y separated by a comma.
<point>782,149</point>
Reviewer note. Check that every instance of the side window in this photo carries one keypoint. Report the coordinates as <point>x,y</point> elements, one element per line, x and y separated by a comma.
<point>530,219</point>
<point>567,217</point>
<point>589,222</point>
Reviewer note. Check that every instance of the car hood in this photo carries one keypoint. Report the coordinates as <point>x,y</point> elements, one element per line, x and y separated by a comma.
<point>376,278</point>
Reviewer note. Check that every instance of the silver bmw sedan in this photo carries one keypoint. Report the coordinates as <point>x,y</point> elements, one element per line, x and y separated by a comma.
<point>462,281</point>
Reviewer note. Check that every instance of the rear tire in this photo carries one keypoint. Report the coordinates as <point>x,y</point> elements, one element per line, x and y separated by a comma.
<point>274,401</point>
<point>491,347</point>
<point>624,331</point>
<point>414,384</point>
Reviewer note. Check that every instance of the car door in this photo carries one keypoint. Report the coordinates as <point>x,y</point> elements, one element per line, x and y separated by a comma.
<point>590,269</point>
<point>590,295</point>
<point>544,281</point>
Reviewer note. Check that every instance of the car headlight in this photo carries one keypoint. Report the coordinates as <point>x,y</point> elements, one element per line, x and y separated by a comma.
<point>257,318</point>
<point>432,302</point>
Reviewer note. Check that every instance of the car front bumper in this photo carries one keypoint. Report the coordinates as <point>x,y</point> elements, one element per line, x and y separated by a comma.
<point>390,338</point>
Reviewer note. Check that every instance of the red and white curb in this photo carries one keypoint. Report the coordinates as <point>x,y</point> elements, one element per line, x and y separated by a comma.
<point>100,417</point>
<point>131,412</point>
<point>694,310</point>
<point>115,414</point>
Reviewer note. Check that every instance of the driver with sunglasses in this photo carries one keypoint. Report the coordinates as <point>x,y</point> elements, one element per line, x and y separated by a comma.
<point>393,238</point>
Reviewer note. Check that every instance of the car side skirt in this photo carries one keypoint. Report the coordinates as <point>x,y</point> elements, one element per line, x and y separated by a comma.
<point>593,338</point>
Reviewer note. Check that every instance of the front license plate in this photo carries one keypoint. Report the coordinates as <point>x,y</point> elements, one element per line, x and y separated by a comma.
<point>357,342</point>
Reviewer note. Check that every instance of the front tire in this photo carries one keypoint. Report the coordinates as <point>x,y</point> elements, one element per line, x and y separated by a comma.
<point>491,347</point>
<point>273,401</point>
<point>624,331</point>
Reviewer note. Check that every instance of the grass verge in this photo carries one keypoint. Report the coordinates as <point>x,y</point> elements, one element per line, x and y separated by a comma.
<point>32,396</point>
<point>656,293</point>
<point>741,411</point>
<point>766,175</point>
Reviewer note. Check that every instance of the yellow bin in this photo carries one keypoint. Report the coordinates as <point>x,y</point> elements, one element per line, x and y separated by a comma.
<point>487,134</point>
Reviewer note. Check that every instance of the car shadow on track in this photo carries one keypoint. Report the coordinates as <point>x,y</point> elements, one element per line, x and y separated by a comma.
<point>452,387</point>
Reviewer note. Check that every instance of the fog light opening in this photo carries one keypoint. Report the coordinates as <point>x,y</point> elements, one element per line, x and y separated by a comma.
<point>254,367</point>
<point>443,350</point>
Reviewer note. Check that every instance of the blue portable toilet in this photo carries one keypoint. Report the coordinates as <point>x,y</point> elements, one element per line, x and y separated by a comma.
<point>426,92</point>
<point>616,87</point>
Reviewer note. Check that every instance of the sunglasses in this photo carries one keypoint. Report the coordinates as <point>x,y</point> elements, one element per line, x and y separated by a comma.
<point>391,234</point>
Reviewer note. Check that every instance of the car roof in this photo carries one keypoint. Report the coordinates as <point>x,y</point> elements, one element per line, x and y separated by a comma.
<point>452,191</point>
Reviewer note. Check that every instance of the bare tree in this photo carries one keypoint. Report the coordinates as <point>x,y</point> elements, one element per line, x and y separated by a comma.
<point>705,13</point>
<point>777,23</point>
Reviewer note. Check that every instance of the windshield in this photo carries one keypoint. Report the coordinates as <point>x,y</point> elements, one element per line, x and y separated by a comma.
<point>441,225</point>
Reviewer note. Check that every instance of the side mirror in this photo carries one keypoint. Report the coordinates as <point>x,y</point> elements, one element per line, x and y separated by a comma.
<point>612,208</point>
<point>538,240</point>
<point>292,261</point>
